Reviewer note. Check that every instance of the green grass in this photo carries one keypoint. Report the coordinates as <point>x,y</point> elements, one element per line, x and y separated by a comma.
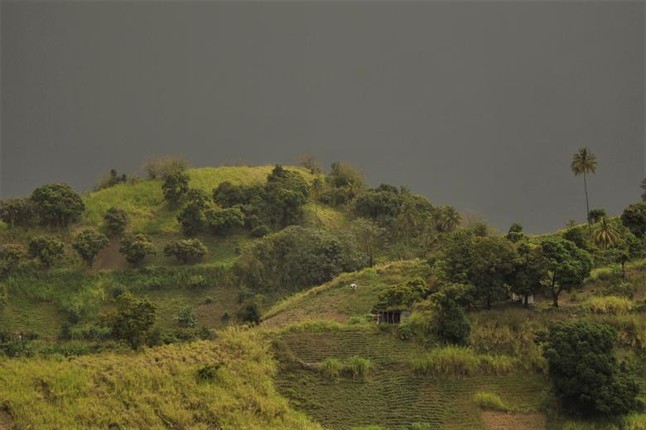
<point>491,402</point>
<point>393,397</point>
<point>159,388</point>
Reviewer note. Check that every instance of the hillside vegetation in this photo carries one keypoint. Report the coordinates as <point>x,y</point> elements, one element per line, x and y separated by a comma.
<point>218,384</point>
<point>290,297</point>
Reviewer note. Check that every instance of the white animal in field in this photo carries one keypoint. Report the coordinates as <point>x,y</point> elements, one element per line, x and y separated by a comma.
<point>353,286</point>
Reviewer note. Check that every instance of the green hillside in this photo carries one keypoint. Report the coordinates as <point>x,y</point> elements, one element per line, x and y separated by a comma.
<point>219,384</point>
<point>272,322</point>
<point>336,301</point>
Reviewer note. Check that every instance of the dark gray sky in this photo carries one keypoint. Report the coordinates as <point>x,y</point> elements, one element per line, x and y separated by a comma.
<point>475,104</point>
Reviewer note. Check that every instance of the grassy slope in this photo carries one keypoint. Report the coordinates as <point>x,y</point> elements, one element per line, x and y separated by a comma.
<point>393,396</point>
<point>159,388</point>
<point>37,302</point>
<point>335,300</point>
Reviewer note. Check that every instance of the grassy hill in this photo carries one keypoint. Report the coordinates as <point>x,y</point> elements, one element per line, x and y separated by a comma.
<point>316,360</point>
<point>40,302</point>
<point>222,384</point>
<point>144,201</point>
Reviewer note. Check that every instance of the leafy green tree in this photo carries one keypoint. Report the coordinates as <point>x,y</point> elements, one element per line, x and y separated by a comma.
<point>578,236</point>
<point>186,250</point>
<point>450,322</point>
<point>585,375</point>
<point>530,270</point>
<point>11,255</point>
<point>223,222</point>
<point>116,220</point>
<point>344,182</point>
<point>493,262</point>
<point>88,243</point>
<point>382,205</point>
<point>286,193</point>
<point>643,187</point>
<point>455,259</point>
<point>401,296</point>
<point>175,187</point>
<point>136,247</point>
<point>634,218</point>
<point>584,162</point>
<point>57,205</point>
<point>18,212</point>
<point>369,237</point>
<point>297,258</point>
<point>567,266</point>
<point>192,219</point>
<point>228,195</point>
<point>47,250</point>
<point>515,233</point>
<point>133,319</point>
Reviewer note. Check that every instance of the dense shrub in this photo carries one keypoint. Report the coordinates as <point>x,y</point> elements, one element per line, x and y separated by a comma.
<point>116,220</point>
<point>223,222</point>
<point>297,258</point>
<point>133,319</point>
<point>634,218</point>
<point>186,250</point>
<point>585,375</point>
<point>136,247</point>
<point>88,243</point>
<point>18,212</point>
<point>57,205</point>
<point>175,187</point>
<point>186,317</point>
<point>11,255</point>
<point>249,313</point>
<point>47,250</point>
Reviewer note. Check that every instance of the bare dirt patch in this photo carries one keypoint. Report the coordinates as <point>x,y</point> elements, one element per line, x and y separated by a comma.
<point>503,421</point>
<point>110,258</point>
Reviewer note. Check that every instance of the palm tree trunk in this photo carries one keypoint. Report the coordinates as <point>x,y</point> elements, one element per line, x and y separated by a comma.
<point>587,205</point>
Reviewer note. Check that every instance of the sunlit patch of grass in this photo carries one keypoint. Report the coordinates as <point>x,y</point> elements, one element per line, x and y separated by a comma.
<point>491,402</point>
<point>152,389</point>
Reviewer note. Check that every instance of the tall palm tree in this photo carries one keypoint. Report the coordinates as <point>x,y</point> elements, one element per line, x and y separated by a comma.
<point>584,162</point>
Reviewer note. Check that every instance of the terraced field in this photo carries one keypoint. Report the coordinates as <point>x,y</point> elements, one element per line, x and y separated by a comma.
<point>392,397</point>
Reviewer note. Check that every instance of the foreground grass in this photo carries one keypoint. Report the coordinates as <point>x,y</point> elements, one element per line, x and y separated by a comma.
<point>222,384</point>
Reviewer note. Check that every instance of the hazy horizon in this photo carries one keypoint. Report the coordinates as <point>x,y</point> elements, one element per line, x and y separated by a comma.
<point>475,104</point>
